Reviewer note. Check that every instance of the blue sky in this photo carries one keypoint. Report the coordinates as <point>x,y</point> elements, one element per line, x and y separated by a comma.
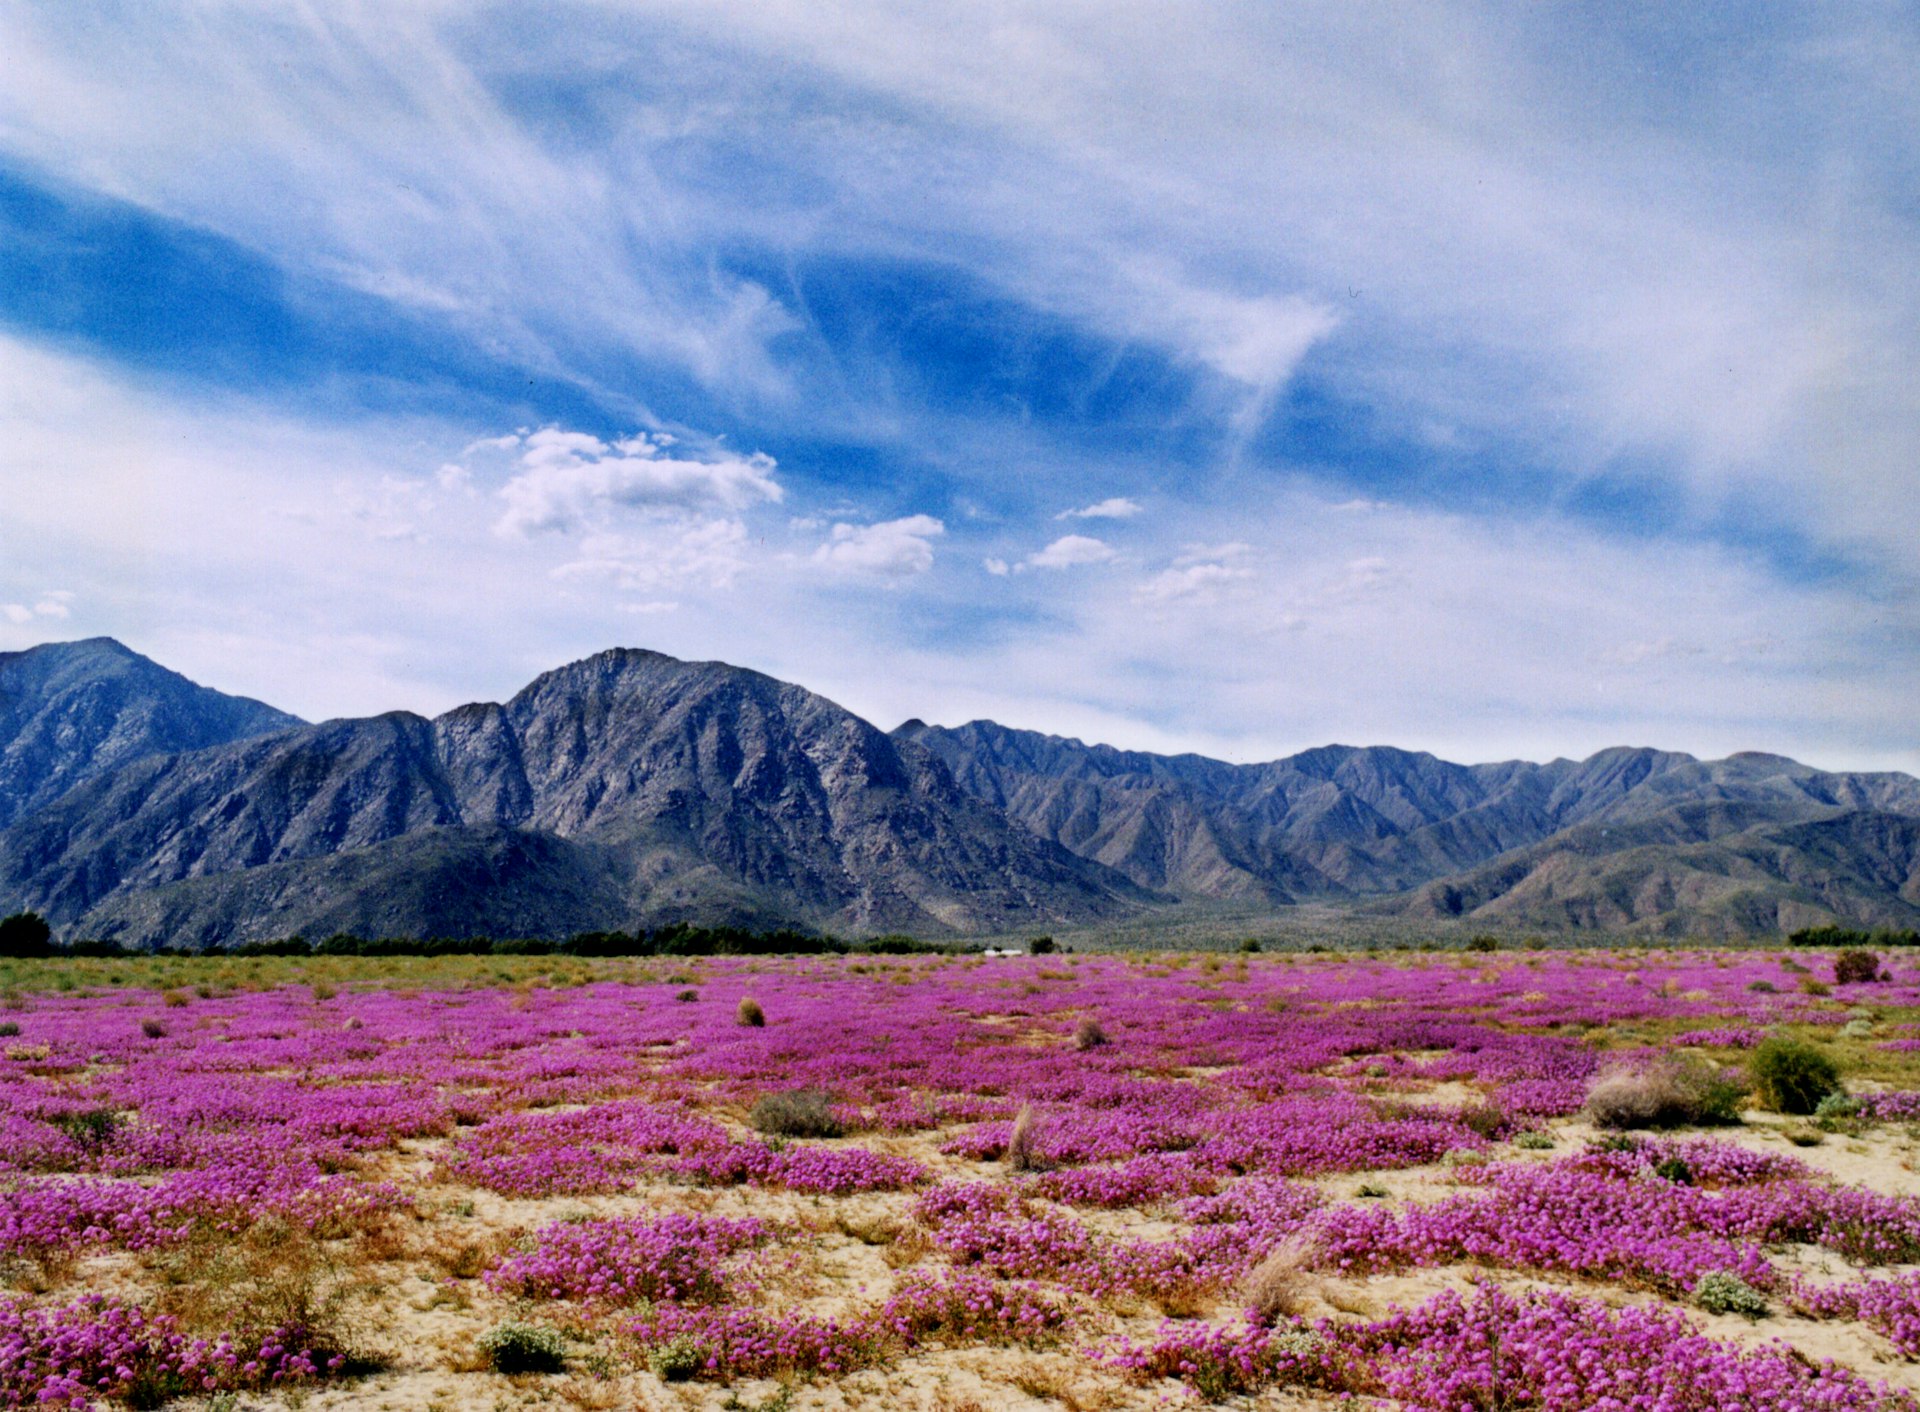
<point>1501,383</point>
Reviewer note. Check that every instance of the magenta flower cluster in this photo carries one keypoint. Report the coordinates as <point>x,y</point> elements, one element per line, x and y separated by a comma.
<point>1545,1351</point>
<point>675,1257</point>
<point>71,1355</point>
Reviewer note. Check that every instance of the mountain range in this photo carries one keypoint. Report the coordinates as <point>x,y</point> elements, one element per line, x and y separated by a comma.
<point>633,789</point>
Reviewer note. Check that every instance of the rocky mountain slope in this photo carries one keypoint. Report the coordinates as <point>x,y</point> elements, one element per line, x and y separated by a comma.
<point>72,710</point>
<point>1495,842</point>
<point>625,789</point>
<point>633,789</point>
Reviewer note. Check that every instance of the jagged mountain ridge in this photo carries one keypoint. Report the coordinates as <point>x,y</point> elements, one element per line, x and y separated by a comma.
<point>650,789</point>
<point>71,711</point>
<point>631,788</point>
<point>1347,822</point>
<point>1672,876</point>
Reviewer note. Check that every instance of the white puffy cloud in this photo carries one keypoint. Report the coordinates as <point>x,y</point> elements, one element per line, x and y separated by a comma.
<point>570,481</point>
<point>1119,507</point>
<point>1200,583</point>
<point>55,604</point>
<point>1071,551</point>
<point>892,548</point>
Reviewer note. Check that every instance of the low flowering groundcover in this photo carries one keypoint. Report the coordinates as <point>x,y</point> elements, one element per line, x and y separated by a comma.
<point>282,1167</point>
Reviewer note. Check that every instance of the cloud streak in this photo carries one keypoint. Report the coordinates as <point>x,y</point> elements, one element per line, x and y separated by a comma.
<point>1368,341</point>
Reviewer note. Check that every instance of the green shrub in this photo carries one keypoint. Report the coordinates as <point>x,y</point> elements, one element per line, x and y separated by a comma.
<point>523,1348</point>
<point>1837,1105</point>
<point>1484,943</point>
<point>1792,1077</point>
<point>796,1112</point>
<point>678,1360</point>
<point>25,934</point>
<point>1855,966</point>
<point>92,1129</point>
<point>1533,1141</point>
<point>1722,1293</point>
<point>1675,1170</point>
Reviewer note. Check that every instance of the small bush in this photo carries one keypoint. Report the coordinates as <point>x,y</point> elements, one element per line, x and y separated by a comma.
<point>1836,1106</point>
<point>1041,946</point>
<point>1675,1170</point>
<point>1484,943</point>
<point>1251,945</point>
<point>1088,1035</point>
<point>9,1028</point>
<point>1792,1077</point>
<point>93,1128</point>
<point>1673,1092</point>
<point>1371,1191</point>
<point>1281,1284</point>
<point>687,997</point>
<point>748,1012</point>
<point>153,1029</point>
<point>1763,988</point>
<point>1855,966</point>
<point>796,1112</point>
<point>1488,1120</point>
<point>1721,1293</point>
<point>1534,1141</point>
<point>523,1348</point>
<point>678,1360</point>
<point>1022,1154</point>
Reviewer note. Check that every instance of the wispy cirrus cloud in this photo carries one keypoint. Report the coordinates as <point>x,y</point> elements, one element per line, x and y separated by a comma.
<point>1566,298</point>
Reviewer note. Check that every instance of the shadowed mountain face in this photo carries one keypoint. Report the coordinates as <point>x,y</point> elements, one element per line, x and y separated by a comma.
<point>634,789</point>
<point>72,710</point>
<point>1346,822</point>
<point>626,788</point>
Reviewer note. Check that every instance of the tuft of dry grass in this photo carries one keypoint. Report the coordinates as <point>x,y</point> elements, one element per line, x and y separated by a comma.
<point>1282,1284</point>
<point>1675,1091</point>
<point>748,1012</point>
<point>274,1275</point>
<point>464,1252</point>
<point>1022,1154</point>
<point>1088,1034</point>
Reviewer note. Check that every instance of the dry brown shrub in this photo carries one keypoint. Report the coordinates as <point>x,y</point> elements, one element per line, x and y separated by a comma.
<point>1675,1091</point>
<point>748,1012</point>
<point>1281,1285</point>
<point>464,1252</point>
<point>273,1275</point>
<point>1088,1034</point>
<point>869,1227</point>
<point>1022,1154</point>
<point>796,1112</point>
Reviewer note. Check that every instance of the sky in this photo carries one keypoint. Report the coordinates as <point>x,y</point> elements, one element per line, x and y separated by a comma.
<point>1504,382</point>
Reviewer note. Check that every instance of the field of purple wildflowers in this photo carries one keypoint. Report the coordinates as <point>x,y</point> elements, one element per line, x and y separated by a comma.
<point>1295,1180</point>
